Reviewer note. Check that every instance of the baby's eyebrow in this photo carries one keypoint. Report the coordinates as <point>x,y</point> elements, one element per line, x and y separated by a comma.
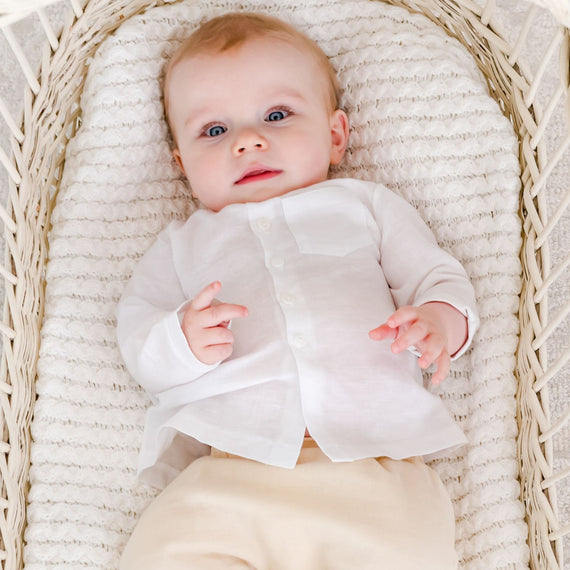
<point>286,92</point>
<point>195,116</point>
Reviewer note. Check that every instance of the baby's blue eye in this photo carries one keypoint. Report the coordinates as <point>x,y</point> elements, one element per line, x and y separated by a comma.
<point>277,115</point>
<point>215,131</point>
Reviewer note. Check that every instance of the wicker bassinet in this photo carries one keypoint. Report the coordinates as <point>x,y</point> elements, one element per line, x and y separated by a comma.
<point>51,115</point>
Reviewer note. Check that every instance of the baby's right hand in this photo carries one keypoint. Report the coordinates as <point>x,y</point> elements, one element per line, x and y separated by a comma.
<point>205,325</point>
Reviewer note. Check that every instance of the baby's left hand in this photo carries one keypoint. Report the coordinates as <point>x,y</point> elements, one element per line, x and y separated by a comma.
<point>425,329</point>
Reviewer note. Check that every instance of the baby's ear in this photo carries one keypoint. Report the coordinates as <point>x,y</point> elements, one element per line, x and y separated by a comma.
<point>339,135</point>
<point>178,158</point>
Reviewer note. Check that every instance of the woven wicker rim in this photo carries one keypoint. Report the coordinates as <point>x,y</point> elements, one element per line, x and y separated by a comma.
<point>50,119</point>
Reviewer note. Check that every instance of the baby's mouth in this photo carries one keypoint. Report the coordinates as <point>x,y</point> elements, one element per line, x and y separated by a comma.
<point>258,175</point>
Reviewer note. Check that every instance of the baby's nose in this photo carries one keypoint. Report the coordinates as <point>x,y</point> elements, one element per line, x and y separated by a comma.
<point>249,140</point>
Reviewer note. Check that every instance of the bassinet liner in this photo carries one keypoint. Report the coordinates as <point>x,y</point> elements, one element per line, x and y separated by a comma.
<point>52,115</point>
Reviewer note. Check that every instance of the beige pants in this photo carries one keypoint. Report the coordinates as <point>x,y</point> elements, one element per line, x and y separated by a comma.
<point>225,512</point>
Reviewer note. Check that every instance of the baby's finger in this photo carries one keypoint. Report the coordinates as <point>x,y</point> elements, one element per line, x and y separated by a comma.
<point>205,297</point>
<point>412,337</point>
<point>221,314</point>
<point>216,335</point>
<point>216,353</point>
<point>443,363</point>
<point>382,332</point>
<point>223,323</point>
<point>404,315</point>
<point>430,350</point>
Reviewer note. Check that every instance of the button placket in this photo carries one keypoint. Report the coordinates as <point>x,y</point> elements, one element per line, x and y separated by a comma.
<point>280,248</point>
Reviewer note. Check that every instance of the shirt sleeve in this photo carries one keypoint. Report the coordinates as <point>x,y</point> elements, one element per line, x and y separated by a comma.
<point>149,332</point>
<point>416,268</point>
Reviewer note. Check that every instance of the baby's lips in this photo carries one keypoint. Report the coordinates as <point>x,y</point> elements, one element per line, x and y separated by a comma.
<point>257,173</point>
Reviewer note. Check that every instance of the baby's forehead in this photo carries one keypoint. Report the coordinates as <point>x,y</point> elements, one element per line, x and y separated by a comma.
<point>221,52</point>
<point>218,53</point>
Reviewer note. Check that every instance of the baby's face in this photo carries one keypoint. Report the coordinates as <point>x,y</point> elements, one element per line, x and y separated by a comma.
<point>253,122</point>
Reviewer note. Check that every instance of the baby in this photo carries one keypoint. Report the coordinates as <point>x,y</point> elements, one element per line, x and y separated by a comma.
<point>286,435</point>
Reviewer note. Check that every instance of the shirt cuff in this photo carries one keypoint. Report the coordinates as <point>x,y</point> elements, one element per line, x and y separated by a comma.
<point>472,326</point>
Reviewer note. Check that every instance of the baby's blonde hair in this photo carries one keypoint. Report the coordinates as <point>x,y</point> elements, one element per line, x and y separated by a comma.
<point>234,29</point>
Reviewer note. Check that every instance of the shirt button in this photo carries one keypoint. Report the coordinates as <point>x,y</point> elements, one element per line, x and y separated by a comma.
<point>287,299</point>
<point>263,224</point>
<point>277,262</point>
<point>299,341</point>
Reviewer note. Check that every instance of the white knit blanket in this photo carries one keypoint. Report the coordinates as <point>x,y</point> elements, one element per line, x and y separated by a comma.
<point>422,123</point>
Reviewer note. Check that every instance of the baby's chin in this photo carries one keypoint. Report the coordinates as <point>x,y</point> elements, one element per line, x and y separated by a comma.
<point>276,188</point>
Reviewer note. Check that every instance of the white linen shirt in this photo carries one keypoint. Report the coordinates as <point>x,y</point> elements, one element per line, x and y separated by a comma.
<point>317,269</point>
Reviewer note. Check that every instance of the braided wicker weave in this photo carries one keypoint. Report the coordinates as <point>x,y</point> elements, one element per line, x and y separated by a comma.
<point>51,116</point>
